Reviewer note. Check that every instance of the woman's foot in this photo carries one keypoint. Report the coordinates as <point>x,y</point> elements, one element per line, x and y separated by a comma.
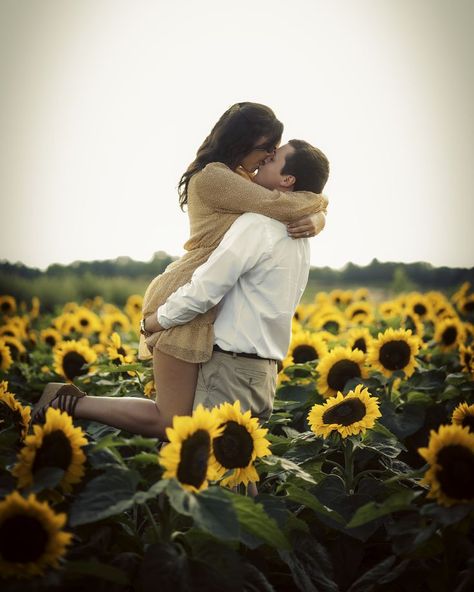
<point>59,396</point>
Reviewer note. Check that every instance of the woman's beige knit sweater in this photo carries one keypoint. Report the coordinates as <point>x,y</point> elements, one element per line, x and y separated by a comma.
<point>216,197</point>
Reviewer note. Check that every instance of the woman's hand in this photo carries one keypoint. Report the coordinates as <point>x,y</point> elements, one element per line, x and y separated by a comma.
<point>307,226</point>
<point>152,325</point>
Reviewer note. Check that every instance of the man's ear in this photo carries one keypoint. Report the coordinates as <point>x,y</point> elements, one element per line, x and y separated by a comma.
<point>288,181</point>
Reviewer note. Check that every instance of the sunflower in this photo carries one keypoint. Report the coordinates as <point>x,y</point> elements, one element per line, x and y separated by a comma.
<point>70,307</point>
<point>133,306</point>
<point>70,357</point>
<point>303,311</point>
<point>349,414</point>
<point>466,305</point>
<point>12,412</point>
<point>35,307</point>
<point>189,457</point>
<point>5,356</point>
<point>389,309</point>
<point>419,305</point>
<point>239,445</point>
<point>149,389</point>
<point>50,336</point>
<point>394,350</point>
<point>11,330</point>
<point>360,313</point>
<point>449,334</point>
<point>466,358</point>
<point>56,443</point>
<point>17,349</point>
<point>119,353</point>
<point>461,292</point>
<point>443,310</point>
<point>87,321</point>
<point>305,347</point>
<point>463,415</point>
<point>337,368</point>
<point>116,321</point>
<point>450,454</point>
<point>7,305</point>
<point>361,294</point>
<point>340,297</point>
<point>332,321</point>
<point>31,536</point>
<point>412,322</point>
<point>359,339</point>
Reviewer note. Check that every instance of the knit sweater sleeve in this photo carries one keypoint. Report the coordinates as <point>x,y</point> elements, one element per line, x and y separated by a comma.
<point>219,188</point>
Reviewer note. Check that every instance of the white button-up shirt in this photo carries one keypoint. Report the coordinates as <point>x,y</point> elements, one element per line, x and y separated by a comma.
<point>258,274</point>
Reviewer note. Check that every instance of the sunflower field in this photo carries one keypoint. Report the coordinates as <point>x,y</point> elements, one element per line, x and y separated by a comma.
<point>364,473</point>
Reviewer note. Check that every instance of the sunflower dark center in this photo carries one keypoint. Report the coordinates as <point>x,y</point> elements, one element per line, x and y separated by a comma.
<point>6,306</point>
<point>72,365</point>
<point>395,355</point>
<point>121,351</point>
<point>332,327</point>
<point>469,306</point>
<point>420,309</point>
<point>359,311</point>
<point>192,468</point>
<point>341,372</point>
<point>456,476</point>
<point>468,421</point>
<point>345,413</point>
<point>55,451</point>
<point>9,332</point>
<point>23,539</point>
<point>449,335</point>
<point>304,353</point>
<point>233,449</point>
<point>360,344</point>
<point>297,316</point>
<point>15,352</point>
<point>9,417</point>
<point>84,322</point>
<point>117,325</point>
<point>50,340</point>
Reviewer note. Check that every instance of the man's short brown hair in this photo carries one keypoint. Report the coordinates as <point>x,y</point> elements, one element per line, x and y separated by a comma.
<point>308,165</point>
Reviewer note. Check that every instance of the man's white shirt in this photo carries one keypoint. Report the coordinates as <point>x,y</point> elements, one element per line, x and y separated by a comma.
<point>257,274</point>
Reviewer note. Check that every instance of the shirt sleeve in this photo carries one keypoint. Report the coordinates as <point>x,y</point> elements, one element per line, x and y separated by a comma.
<point>242,247</point>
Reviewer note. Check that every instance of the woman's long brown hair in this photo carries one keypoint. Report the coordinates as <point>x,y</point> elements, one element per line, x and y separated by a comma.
<point>232,138</point>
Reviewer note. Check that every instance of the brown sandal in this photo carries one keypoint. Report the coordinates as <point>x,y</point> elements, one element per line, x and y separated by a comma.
<point>67,396</point>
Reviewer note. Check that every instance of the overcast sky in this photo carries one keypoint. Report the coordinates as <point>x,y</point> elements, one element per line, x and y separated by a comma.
<point>104,103</point>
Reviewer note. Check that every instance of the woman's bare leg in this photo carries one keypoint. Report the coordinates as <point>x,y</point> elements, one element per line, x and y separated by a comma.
<point>175,382</point>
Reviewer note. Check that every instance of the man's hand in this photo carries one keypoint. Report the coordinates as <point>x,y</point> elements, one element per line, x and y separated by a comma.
<point>307,226</point>
<point>152,325</point>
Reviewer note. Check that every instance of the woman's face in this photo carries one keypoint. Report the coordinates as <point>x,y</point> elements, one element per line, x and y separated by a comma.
<point>259,153</point>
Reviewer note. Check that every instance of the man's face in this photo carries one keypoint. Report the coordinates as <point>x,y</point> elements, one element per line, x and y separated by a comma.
<point>263,148</point>
<point>269,174</point>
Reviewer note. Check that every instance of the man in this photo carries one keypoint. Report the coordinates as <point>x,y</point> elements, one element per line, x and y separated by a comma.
<point>257,274</point>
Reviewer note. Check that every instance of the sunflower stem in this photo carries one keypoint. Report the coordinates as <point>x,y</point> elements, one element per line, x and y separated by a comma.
<point>164,510</point>
<point>349,465</point>
<point>153,522</point>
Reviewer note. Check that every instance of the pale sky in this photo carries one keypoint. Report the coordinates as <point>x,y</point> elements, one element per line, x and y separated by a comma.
<point>104,103</point>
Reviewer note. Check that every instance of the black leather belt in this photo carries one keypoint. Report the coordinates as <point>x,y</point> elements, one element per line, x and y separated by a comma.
<point>241,354</point>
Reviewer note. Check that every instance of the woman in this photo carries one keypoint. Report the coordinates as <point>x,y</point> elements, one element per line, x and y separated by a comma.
<point>243,137</point>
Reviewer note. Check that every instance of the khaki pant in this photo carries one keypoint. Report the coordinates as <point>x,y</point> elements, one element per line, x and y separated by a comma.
<point>227,378</point>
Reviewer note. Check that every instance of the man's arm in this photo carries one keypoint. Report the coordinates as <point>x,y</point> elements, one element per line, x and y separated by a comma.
<point>242,247</point>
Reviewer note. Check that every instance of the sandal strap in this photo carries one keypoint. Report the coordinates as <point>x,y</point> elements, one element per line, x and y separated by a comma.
<point>67,397</point>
